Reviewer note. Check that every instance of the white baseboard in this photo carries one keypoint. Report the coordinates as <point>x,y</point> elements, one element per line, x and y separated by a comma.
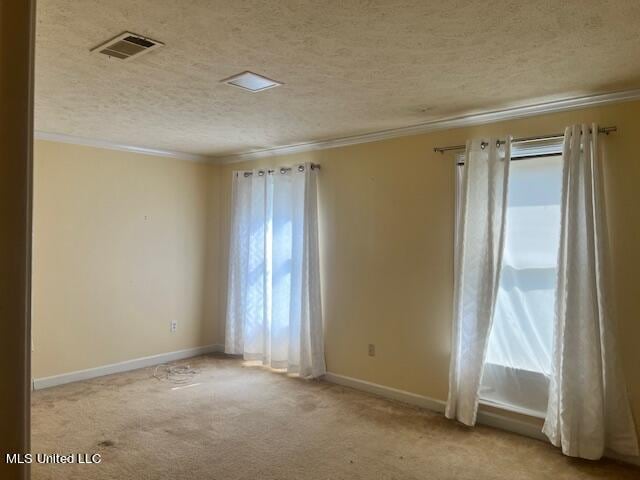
<point>387,392</point>
<point>46,382</point>
<point>512,425</point>
<point>490,419</point>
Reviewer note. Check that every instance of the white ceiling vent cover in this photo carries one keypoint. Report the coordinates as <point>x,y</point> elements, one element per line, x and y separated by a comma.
<point>127,46</point>
<point>251,82</point>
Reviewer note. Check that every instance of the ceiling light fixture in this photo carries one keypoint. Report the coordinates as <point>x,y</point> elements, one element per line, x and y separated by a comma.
<point>251,82</point>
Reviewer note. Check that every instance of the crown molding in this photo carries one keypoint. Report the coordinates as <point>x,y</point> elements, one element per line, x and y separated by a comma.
<point>92,142</point>
<point>478,118</point>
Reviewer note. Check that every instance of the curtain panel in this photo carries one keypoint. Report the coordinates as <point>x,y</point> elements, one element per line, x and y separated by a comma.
<point>588,410</point>
<point>478,260</point>
<point>274,311</point>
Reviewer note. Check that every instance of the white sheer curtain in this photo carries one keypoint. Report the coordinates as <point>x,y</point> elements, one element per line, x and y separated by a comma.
<point>274,311</point>
<point>588,409</point>
<point>518,361</point>
<point>479,247</point>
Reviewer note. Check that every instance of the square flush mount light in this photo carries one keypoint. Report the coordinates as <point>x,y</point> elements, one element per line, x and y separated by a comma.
<point>251,81</point>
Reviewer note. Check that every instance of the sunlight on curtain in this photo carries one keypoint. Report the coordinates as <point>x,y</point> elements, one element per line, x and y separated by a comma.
<point>479,244</point>
<point>273,312</point>
<point>518,358</point>
<point>588,410</point>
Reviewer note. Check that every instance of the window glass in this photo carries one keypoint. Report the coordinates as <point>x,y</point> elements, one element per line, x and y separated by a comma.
<point>520,346</point>
<point>518,359</point>
<point>522,331</point>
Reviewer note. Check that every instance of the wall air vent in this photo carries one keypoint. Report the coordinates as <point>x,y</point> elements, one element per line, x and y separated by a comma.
<point>127,46</point>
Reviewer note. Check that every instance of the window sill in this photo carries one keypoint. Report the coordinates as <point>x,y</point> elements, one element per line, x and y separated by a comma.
<point>513,409</point>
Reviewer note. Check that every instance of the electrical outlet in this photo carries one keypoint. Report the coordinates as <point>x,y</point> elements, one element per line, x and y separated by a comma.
<point>174,326</point>
<point>372,350</point>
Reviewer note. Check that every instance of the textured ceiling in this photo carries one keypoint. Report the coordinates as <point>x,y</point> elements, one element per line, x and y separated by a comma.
<point>349,67</point>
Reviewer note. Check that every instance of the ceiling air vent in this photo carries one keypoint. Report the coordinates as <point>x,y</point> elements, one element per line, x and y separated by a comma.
<point>127,46</point>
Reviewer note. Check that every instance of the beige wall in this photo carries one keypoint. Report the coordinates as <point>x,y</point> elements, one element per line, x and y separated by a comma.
<point>386,224</point>
<point>120,250</point>
<point>108,281</point>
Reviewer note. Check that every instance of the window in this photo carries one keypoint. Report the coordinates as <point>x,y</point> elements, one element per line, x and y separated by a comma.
<point>518,360</point>
<point>274,309</point>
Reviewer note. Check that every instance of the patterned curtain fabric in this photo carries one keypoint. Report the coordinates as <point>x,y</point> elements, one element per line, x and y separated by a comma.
<point>588,410</point>
<point>274,309</point>
<point>479,248</point>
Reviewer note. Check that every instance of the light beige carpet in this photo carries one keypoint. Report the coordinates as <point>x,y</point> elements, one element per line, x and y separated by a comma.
<point>240,422</point>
